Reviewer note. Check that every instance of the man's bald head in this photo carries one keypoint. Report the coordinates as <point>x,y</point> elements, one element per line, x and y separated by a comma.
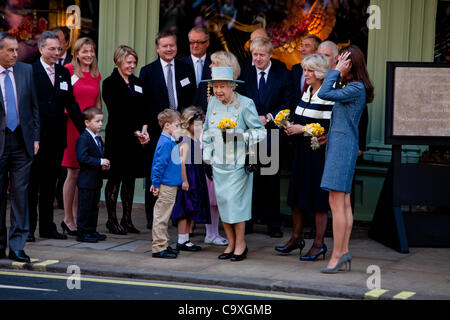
<point>259,33</point>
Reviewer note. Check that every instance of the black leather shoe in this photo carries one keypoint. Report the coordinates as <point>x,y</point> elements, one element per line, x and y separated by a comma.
<point>31,238</point>
<point>53,235</point>
<point>100,237</point>
<point>65,228</point>
<point>115,228</point>
<point>129,228</point>
<point>19,256</point>
<point>297,245</point>
<point>165,254</point>
<point>185,247</point>
<point>172,250</point>
<point>225,256</point>
<point>240,257</point>
<point>88,237</point>
<point>275,233</point>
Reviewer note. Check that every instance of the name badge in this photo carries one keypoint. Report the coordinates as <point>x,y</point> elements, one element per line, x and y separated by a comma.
<point>185,82</point>
<point>137,88</point>
<point>74,79</point>
<point>64,86</point>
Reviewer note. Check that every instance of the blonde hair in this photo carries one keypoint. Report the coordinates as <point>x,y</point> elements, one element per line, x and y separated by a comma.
<point>262,43</point>
<point>167,116</point>
<point>227,59</point>
<point>93,67</point>
<point>122,52</point>
<point>317,63</point>
<point>188,114</point>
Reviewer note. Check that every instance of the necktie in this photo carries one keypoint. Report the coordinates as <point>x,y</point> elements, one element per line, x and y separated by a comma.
<point>51,74</point>
<point>60,61</point>
<point>262,84</point>
<point>198,71</point>
<point>99,145</point>
<point>11,108</point>
<point>170,87</point>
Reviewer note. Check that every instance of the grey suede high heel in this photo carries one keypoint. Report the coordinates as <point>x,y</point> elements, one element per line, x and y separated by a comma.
<point>344,259</point>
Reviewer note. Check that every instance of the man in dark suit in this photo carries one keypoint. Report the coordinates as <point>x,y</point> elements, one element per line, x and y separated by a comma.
<point>19,142</point>
<point>268,84</point>
<point>168,83</point>
<point>64,39</point>
<point>310,45</point>
<point>54,90</point>
<point>200,62</point>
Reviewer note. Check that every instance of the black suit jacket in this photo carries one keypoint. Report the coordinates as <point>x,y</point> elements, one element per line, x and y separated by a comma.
<point>297,72</point>
<point>28,108</point>
<point>200,96</point>
<point>155,89</point>
<point>89,158</point>
<point>53,100</point>
<point>278,92</point>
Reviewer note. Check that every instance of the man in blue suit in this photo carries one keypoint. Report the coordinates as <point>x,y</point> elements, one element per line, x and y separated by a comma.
<point>19,142</point>
<point>168,83</point>
<point>268,84</point>
<point>200,62</point>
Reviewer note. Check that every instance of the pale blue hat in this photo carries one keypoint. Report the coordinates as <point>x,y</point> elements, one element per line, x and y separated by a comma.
<point>222,74</point>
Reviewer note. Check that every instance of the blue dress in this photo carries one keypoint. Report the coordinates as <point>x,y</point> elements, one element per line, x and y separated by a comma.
<point>194,203</point>
<point>307,165</point>
<point>342,146</point>
<point>232,184</point>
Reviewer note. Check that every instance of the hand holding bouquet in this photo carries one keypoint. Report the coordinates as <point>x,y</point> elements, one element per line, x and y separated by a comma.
<point>282,118</point>
<point>226,124</point>
<point>314,130</point>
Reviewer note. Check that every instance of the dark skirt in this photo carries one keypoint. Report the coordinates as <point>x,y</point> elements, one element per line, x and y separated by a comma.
<point>194,203</point>
<point>307,169</point>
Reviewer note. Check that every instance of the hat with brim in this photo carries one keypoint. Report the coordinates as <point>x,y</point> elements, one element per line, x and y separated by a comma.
<point>222,74</point>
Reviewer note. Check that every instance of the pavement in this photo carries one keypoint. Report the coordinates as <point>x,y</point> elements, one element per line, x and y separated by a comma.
<point>378,272</point>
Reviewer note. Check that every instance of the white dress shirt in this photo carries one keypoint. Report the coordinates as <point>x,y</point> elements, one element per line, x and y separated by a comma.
<point>258,74</point>
<point>46,66</point>
<point>194,61</point>
<point>93,135</point>
<point>174,83</point>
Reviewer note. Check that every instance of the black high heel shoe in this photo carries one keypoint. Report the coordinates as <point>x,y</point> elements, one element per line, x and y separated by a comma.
<point>297,245</point>
<point>65,228</point>
<point>225,256</point>
<point>129,227</point>
<point>240,257</point>
<point>114,228</point>
<point>322,251</point>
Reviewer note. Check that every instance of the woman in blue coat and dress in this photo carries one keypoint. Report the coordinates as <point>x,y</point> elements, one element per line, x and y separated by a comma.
<point>351,97</point>
<point>232,183</point>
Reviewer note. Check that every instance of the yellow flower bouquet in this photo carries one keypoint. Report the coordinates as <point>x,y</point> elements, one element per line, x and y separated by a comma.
<point>282,118</point>
<point>226,124</point>
<point>314,130</point>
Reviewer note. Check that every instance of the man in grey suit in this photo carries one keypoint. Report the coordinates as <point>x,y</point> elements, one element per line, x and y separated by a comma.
<point>19,142</point>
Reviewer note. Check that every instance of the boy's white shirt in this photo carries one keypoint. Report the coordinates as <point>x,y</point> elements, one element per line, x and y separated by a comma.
<point>93,135</point>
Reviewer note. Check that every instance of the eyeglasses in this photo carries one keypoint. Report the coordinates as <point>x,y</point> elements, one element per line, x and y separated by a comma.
<point>198,42</point>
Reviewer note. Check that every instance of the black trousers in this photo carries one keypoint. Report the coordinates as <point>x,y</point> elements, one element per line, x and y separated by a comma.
<point>15,167</point>
<point>87,216</point>
<point>266,199</point>
<point>44,174</point>
<point>150,201</point>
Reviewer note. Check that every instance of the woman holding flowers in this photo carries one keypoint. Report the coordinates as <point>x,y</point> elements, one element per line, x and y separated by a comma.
<point>305,193</point>
<point>342,145</point>
<point>235,116</point>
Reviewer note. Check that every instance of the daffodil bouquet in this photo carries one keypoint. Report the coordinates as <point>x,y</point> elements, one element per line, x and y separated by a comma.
<point>314,130</point>
<point>226,124</point>
<point>282,118</point>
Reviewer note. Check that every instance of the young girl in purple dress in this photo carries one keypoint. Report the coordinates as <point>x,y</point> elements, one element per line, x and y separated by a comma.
<point>192,202</point>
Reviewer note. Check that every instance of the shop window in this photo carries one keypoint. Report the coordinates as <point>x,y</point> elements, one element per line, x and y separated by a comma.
<point>27,19</point>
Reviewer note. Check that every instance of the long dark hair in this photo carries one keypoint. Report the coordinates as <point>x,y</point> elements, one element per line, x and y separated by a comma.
<point>359,70</point>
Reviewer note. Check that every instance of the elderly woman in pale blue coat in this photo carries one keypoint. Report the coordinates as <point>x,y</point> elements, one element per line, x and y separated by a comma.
<point>232,183</point>
<point>342,145</point>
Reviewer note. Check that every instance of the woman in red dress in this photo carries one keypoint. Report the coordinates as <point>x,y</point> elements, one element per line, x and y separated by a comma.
<point>85,81</point>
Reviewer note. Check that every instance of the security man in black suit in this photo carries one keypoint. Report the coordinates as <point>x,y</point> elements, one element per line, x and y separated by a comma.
<point>268,84</point>
<point>168,83</point>
<point>55,95</point>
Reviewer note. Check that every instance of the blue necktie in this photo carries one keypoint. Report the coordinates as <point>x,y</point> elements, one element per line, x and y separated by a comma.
<point>99,145</point>
<point>11,108</point>
<point>199,71</point>
<point>262,84</point>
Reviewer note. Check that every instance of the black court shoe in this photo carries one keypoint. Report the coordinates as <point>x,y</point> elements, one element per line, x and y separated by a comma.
<point>297,245</point>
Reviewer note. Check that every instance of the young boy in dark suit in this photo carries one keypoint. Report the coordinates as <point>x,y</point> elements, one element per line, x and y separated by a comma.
<point>89,152</point>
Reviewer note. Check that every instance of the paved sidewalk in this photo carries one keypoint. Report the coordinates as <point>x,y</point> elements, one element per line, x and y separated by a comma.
<point>424,273</point>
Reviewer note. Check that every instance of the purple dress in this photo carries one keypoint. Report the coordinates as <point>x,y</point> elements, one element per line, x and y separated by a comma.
<point>194,203</point>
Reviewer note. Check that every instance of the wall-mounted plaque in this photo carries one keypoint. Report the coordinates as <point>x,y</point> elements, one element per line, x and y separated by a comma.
<point>418,103</point>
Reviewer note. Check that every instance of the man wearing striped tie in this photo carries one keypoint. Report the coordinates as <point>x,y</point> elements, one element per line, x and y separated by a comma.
<point>19,142</point>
